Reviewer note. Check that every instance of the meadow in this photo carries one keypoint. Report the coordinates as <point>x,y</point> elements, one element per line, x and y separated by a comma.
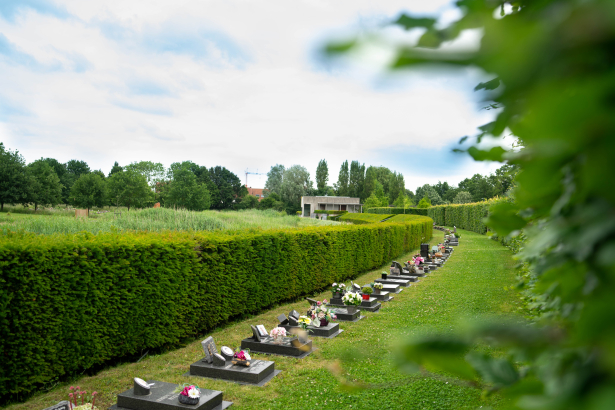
<point>60,221</point>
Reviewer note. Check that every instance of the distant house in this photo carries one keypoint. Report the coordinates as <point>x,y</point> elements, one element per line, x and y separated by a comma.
<point>257,192</point>
<point>309,204</point>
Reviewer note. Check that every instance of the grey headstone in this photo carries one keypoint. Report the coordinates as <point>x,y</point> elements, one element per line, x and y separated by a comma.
<point>141,387</point>
<point>293,321</point>
<point>356,287</point>
<point>63,405</point>
<point>219,360</point>
<point>209,347</point>
<point>312,302</point>
<point>294,314</point>
<point>256,333</point>
<point>283,319</point>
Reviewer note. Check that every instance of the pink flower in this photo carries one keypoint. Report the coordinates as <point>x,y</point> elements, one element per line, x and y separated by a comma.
<point>319,303</point>
<point>185,391</point>
<point>324,301</point>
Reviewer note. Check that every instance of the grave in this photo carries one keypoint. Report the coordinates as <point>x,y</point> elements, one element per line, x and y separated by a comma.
<point>397,272</point>
<point>289,347</point>
<point>344,316</point>
<point>63,405</point>
<point>330,331</point>
<point>371,305</point>
<point>156,395</point>
<point>390,281</point>
<point>391,288</point>
<point>383,296</point>
<point>217,366</point>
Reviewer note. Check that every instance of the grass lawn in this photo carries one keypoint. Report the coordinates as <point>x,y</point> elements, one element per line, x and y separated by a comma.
<point>471,285</point>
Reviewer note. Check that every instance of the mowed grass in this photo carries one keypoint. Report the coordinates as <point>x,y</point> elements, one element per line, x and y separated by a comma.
<point>470,286</point>
<point>155,220</point>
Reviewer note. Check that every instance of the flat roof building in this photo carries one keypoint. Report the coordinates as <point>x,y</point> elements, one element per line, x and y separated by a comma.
<point>309,204</point>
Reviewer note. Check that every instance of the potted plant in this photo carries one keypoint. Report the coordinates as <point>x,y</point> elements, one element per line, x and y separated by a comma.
<point>367,291</point>
<point>76,394</point>
<point>338,290</point>
<point>321,314</point>
<point>351,300</point>
<point>188,394</point>
<point>378,288</point>
<point>384,275</point>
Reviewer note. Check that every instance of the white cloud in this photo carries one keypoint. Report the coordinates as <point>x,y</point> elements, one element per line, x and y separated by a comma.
<point>230,83</point>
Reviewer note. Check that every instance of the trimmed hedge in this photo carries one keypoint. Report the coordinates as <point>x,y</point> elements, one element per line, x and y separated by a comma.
<point>363,218</point>
<point>331,212</point>
<point>464,216</point>
<point>386,210</point>
<point>70,302</point>
<point>405,218</point>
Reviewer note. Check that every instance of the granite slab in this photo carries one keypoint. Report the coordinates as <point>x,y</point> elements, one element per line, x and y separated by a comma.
<point>343,315</point>
<point>383,296</point>
<point>258,373</point>
<point>330,331</point>
<point>267,346</point>
<point>398,282</point>
<point>370,305</point>
<point>163,398</point>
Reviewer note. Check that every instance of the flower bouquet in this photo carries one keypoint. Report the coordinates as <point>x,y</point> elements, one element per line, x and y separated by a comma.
<point>75,394</point>
<point>188,394</point>
<point>338,290</point>
<point>351,300</point>
<point>321,314</point>
<point>242,357</point>
<point>278,334</point>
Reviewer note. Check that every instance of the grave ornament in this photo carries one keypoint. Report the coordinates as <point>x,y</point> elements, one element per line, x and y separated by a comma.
<point>209,347</point>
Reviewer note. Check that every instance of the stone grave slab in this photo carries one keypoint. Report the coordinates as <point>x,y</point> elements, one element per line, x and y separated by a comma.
<point>257,374</point>
<point>391,288</point>
<point>371,305</point>
<point>412,278</point>
<point>163,398</point>
<point>63,405</point>
<point>330,331</point>
<point>336,302</point>
<point>343,315</point>
<point>389,281</point>
<point>383,296</point>
<point>286,348</point>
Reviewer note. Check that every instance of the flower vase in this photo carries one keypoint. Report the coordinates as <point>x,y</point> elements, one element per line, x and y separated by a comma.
<point>384,276</point>
<point>365,296</point>
<point>188,400</point>
<point>278,339</point>
<point>377,291</point>
<point>324,322</point>
<point>351,309</point>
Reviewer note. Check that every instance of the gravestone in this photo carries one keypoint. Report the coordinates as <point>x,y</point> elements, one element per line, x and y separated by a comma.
<point>312,302</point>
<point>227,353</point>
<point>256,334</point>
<point>370,305</point>
<point>288,347</point>
<point>344,316</point>
<point>162,397</point>
<point>283,319</point>
<point>141,387</point>
<point>293,321</point>
<point>424,250</point>
<point>219,360</point>
<point>294,313</point>
<point>63,405</point>
<point>209,347</point>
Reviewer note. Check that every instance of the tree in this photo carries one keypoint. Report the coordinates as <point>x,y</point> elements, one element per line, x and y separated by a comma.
<point>296,184</point>
<point>356,180</point>
<point>129,188</point>
<point>14,179</point>
<point>372,202</point>
<point>369,183</point>
<point>74,169</point>
<point>228,188</point>
<point>186,192</point>
<point>89,190</point>
<point>383,175</point>
<point>463,197</point>
<point>430,192</point>
<point>342,180</point>
<point>248,202</point>
<point>322,176</point>
<point>424,203</point>
<point>379,193</point>
<point>152,171</point>
<point>45,186</point>
<point>116,168</point>
<point>396,185</point>
<point>402,200</point>
<point>275,177</point>
<point>272,201</point>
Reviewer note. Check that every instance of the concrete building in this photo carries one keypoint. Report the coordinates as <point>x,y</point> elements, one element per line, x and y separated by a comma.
<point>309,204</point>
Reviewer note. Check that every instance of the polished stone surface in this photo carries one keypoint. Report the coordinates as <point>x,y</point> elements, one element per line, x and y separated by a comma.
<point>330,331</point>
<point>258,373</point>
<point>286,348</point>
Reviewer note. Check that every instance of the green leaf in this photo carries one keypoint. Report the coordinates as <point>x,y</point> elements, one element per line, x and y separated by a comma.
<point>494,154</point>
<point>339,47</point>
<point>500,372</point>
<point>409,22</point>
<point>504,219</point>
<point>489,85</point>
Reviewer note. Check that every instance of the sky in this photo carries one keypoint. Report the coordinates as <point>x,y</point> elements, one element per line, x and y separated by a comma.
<point>235,83</point>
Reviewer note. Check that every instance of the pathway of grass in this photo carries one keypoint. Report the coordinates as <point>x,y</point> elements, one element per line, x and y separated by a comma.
<point>470,285</point>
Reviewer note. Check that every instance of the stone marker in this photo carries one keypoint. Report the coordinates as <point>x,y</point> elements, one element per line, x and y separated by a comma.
<point>256,334</point>
<point>291,348</point>
<point>209,347</point>
<point>141,387</point>
<point>330,331</point>
<point>294,314</point>
<point>312,302</point>
<point>63,405</point>
<point>219,360</point>
<point>227,353</point>
<point>163,398</point>
<point>293,321</point>
<point>283,319</point>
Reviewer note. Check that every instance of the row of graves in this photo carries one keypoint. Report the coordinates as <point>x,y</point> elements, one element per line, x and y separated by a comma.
<point>291,338</point>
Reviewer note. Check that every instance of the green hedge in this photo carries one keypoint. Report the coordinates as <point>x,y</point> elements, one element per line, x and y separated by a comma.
<point>70,302</point>
<point>386,210</point>
<point>464,216</point>
<point>331,212</point>
<point>405,218</point>
<point>363,218</point>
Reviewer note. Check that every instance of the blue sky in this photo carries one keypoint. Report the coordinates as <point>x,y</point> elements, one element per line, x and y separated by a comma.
<point>229,83</point>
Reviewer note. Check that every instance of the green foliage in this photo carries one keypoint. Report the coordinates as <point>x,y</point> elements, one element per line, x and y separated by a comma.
<point>356,180</point>
<point>116,168</point>
<point>275,177</point>
<point>45,186</point>
<point>322,176</point>
<point>430,192</point>
<point>248,202</point>
<point>295,185</point>
<point>342,180</point>
<point>186,192</point>
<point>462,197</point>
<point>404,218</point>
<point>129,188</point>
<point>72,302</point>
<point>363,218</point>
<point>225,187</point>
<point>424,203</point>
<point>387,210</point>
<point>13,177</point>
<point>89,190</point>
<point>272,201</point>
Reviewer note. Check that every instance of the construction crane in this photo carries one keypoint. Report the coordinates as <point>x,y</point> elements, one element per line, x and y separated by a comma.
<point>251,173</point>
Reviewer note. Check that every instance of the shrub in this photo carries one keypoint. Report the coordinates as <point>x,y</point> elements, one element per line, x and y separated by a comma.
<point>363,218</point>
<point>387,210</point>
<point>70,302</point>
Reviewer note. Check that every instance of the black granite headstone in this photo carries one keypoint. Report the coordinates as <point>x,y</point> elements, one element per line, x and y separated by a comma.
<point>141,387</point>
<point>293,321</point>
<point>283,319</point>
<point>294,314</point>
<point>63,405</point>
<point>209,347</point>
<point>256,334</point>
<point>226,352</point>
<point>312,302</point>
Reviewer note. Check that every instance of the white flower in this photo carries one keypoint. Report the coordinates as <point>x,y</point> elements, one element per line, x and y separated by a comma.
<point>194,393</point>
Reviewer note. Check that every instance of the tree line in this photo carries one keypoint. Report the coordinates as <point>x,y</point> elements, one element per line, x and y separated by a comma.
<point>48,182</point>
